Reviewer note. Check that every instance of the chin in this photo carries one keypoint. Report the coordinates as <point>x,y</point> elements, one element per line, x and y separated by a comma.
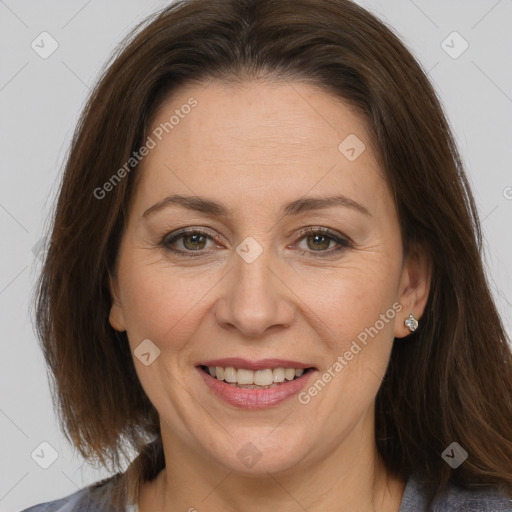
<point>255,454</point>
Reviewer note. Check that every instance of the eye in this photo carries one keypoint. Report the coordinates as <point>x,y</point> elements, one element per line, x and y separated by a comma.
<point>191,240</point>
<point>318,240</point>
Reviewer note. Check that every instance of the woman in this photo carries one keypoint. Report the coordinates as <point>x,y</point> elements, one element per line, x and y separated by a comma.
<point>264,276</point>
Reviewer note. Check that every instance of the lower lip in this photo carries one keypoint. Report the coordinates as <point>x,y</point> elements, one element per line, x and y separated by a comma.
<point>255,398</point>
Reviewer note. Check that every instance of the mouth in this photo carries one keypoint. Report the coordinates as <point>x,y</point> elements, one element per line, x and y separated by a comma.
<point>255,385</point>
<point>245,378</point>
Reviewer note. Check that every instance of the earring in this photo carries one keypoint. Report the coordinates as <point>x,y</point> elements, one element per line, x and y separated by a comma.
<point>412,323</point>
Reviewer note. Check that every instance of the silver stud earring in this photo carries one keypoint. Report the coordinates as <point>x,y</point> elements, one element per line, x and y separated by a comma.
<point>412,323</point>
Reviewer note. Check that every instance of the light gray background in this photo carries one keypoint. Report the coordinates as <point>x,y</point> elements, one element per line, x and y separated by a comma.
<point>40,102</point>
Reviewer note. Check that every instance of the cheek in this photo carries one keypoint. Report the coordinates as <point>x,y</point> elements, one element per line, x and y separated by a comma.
<point>356,323</point>
<point>161,305</point>
<point>167,304</point>
<point>357,312</point>
<point>351,301</point>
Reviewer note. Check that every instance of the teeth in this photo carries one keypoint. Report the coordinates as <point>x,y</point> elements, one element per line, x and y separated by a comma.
<point>253,379</point>
<point>230,374</point>
<point>264,377</point>
<point>278,374</point>
<point>245,376</point>
<point>289,373</point>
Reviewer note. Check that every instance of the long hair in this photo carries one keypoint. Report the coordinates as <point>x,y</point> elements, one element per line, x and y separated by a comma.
<point>450,381</point>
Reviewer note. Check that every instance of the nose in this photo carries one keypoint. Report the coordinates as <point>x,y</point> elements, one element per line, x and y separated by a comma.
<point>255,299</point>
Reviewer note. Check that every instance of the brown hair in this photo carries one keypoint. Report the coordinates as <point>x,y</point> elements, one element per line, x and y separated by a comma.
<point>450,381</point>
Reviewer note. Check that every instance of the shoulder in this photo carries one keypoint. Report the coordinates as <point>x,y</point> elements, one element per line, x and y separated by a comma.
<point>417,498</point>
<point>88,499</point>
<point>472,500</point>
<point>66,504</point>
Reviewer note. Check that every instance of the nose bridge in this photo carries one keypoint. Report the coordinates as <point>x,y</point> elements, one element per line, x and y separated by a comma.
<point>255,298</point>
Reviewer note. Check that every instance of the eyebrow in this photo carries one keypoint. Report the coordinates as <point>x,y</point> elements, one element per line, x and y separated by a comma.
<point>208,206</point>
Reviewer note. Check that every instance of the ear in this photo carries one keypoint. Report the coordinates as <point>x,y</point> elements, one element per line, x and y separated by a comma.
<point>414,288</point>
<point>116,317</point>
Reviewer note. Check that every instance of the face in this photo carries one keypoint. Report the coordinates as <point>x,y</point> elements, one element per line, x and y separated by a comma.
<point>263,276</point>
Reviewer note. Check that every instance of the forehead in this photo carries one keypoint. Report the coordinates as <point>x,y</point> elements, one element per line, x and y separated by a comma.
<point>292,114</point>
<point>258,137</point>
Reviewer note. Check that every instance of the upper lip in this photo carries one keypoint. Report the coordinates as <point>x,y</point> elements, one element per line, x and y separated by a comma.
<point>262,364</point>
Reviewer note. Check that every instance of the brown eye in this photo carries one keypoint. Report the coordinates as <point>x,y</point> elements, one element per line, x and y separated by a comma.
<point>318,242</point>
<point>187,242</point>
<point>194,242</point>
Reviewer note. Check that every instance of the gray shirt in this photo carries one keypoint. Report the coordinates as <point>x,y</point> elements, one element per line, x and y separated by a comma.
<point>415,499</point>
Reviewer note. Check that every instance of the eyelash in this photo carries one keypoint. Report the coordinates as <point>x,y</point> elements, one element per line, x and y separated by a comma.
<point>343,243</point>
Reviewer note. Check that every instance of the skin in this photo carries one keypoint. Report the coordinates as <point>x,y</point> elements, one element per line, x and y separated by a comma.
<point>253,148</point>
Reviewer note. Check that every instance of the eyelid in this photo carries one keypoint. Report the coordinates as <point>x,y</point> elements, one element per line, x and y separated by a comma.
<point>181,232</point>
<point>342,240</point>
<point>327,231</point>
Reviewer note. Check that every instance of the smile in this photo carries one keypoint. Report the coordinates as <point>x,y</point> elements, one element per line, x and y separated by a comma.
<point>250,379</point>
<point>248,385</point>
